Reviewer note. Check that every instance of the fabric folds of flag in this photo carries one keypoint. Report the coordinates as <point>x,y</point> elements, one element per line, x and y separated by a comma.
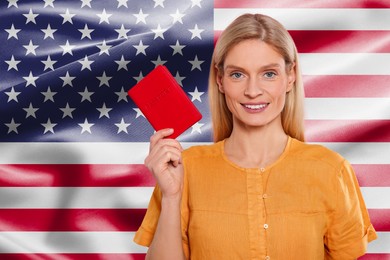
<point>72,144</point>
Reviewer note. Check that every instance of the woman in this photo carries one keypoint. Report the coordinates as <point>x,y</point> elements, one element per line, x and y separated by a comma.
<point>258,192</point>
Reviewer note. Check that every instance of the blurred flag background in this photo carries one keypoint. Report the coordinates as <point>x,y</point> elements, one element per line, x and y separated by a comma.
<point>72,144</point>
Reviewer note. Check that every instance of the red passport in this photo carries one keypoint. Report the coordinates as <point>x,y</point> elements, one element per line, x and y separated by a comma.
<point>163,102</point>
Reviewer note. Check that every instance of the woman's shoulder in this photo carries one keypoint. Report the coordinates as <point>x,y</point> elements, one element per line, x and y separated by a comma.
<point>315,152</point>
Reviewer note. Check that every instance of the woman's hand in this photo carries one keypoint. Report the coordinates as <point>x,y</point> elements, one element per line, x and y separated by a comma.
<point>164,161</point>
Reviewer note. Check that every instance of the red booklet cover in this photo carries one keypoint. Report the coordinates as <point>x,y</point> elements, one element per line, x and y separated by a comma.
<point>163,102</point>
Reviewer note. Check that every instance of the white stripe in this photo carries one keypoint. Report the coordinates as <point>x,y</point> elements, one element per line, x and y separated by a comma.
<point>376,198</point>
<point>104,242</point>
<point>381,245</point>
<point>114,197</point>
<point>69,242</point>
<point>81,198</point>
<point>135,153</point>
<point>347,108</point>
<point>362,153</point>
<point>345,63</point>
<point>313,19</point>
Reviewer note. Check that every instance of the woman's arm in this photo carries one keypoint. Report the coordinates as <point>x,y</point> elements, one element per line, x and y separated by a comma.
<point>164,161</point>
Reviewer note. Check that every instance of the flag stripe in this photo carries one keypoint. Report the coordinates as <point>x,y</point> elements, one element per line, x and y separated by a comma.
<point>20,256</point>
<point>119,197</point>
<point>347,108</point>
<point>75,175</point>
<point>103,242</point>
<point>338,86</point>
<point>48,175</point>
<point>347,130</point>
<point>302,4</point>
<point>375,257</point>
<point>134,153</point>
<point>113,219</point>
<point>106,219</point>
<point>340,41</point>
<point>313,19</point>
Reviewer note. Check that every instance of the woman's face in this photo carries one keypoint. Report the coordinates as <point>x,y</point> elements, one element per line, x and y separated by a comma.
<point>255,83</point>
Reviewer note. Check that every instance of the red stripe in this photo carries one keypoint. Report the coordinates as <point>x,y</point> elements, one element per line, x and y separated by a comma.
<point>380,219</point>
<point>71,219</point>
<point>75,175</point>
<point>73,256</point>
<point>342,41</point>
<point>375,257</point>
<point>373,175</point>
<point>347,86</point>
<point>338,41</point>
<point>347,130</point>
<point>302,4</point>
<point>120,220</point>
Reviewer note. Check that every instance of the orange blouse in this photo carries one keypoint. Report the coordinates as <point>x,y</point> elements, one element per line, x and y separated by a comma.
<point>307,205</point>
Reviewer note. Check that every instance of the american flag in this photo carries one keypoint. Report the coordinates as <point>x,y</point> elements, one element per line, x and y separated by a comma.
<point>72,143</point>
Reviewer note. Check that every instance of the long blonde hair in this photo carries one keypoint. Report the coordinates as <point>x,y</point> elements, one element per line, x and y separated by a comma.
<point>270,31</point>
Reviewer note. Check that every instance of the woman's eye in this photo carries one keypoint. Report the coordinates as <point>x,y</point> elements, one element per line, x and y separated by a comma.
<point>270,74</point>
<point>236,75</point>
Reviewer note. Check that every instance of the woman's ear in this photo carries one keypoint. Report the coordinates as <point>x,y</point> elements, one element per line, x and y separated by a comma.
<point>291,78</point>
<point>219,81</point>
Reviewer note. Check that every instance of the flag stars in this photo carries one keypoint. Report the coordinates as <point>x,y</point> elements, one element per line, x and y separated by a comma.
<point>67,79</point>
<point>122,126</point>
<point>104,17</point>
<point>12,63</point>
<point>30,80</point>
<point>158,3</point>
<point>141,17</point>
<point>104,80</point>
<point>158,61</point>
<point>122,95</point>
<point>86,32</point>
<point>122,3</point>
<point>197,128</point>
<point>122,63</point>
<point>139,77</point>
<point>12,126</point>
<point>196,95</point>
<point>177,48</point>
<point>49,126</point>
<point>13,3</point>
<point>12,32</point>
<point>67,111</point>
<point>139,113</point>
<point>86,63</point>
<point>49,32</point>
<point>49,95</point>
<point>196,63</point>
<point>196,3</point>
<point>196,32</point>
<point>31,17</point>
<point>104,48</point>
<point>177,17</point>
<point>67,48</point>
<point>86,95</point>
<point>49,64</point>
<point>67,17</point>
<point>48,3</point>
<point>86,3</point>
<point>141,48</point>
<point>104,111</point>
<point>158,32</point>
<point>122,32</point>
<point>12,95</point>
<point>30,48</point>
<point>86,126</point>
<point>30,110</point>
<point>179,79</point>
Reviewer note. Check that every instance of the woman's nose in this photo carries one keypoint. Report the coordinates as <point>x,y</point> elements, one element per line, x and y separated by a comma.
<point>253,88</point>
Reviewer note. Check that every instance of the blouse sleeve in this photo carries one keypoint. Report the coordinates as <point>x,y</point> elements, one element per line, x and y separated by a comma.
<point>145,233</point>
<point>350,228</point>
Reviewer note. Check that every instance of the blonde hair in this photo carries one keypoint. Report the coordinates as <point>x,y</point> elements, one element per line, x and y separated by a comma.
<point>270,31</point>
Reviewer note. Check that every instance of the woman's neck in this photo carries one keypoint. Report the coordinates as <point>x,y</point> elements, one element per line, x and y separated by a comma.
<point>256,147</point>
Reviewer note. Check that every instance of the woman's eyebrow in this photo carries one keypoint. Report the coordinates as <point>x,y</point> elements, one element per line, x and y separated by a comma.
<point>265,67</point>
